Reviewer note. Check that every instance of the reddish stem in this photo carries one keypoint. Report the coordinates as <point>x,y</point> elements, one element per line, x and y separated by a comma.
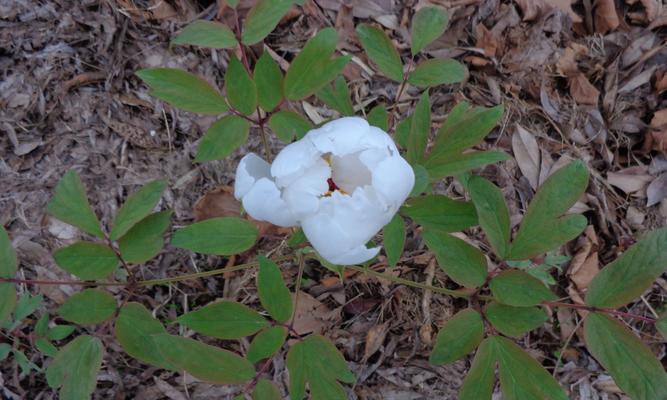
<point>602,310</point>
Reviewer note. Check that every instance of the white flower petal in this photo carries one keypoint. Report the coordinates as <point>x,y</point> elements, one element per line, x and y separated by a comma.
<point>356,255</point>
<point>251,168</point>
<point>293,161</point>
<point>339,137</point>
<point>376,138</point>
<point>349,172</point>
<point>303,195</point>
<point>263,202</point>
<point>393,179</point>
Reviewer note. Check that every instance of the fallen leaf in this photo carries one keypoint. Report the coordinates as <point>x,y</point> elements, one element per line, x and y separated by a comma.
<point>656,139</point>
<point>582,91</point>
<point>630,180</point>
<point>656,190</point>
<point>532,9</point>
<point>311,315</point>
<point>606,18</point>
<point>661,81</point>
<point>374,339</point>
<point>485,40</point>
<point>527,155</point>
<point>585,264</point>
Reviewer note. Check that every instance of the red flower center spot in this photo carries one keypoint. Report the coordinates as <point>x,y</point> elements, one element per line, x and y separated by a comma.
<point>332,185</point>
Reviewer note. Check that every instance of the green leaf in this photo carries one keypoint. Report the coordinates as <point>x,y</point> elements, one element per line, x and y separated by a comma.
<point>5,349</point>
<point>70,205</point>
<point>204,362</point>
<point>631,363</point>
<point>428,24</point>
<point>514,321</point>
<point>298,238</point>
<point>59,332</point>
<point>378,116</point>
<point>627,277</point>
<point>87,260</point>
<point>265,390</point>
<point>420,128</point>
<point>45,347</point>
<point>478,383</point>
<point>74,369</point>
<point>223,138</point>
<point>313,67</point>
<point>492,212</point>
<point>337,96</point>
<point>544,227</point>
<point>381,51</point>
<point>224,320</point>
<point>519,289</point>
<point>263,18</point>
<point>458,337</point>
<point>8,265</point>
<point>316,361</point>
<point>134,329</point>
<point>464,128</point>
<point>209,34</point>
<point>145,240</point>
<point>460,163</point>
<point>660,325</point>
<point>232,3</point>
<point>521,377</point>
<point>403,131</point>
<point>88,307</point>
<point>464,263</point>
<point>437,71</point>
<point>422,179</point>
<point>240,88</point>
<point>42,325</point>
<point>288,124</point>
<point>440,213</point>
<point>394,239</point>
<point>183,90</point>
<point>137,207</point>
<point>273,293</point>
<point>266,343</point>
<point>26,305</point>
<point>269,81</point>
<point>219,236</point>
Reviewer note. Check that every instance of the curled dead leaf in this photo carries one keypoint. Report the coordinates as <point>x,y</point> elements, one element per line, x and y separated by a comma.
<point>585,264</point>
<point>582,91</point>
<point>606,18</point>
<point>374,339</point>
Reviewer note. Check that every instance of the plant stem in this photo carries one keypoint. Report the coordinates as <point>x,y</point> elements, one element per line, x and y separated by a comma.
<point>609,311</point>
<point>297,288</point>
<point>265,141</point>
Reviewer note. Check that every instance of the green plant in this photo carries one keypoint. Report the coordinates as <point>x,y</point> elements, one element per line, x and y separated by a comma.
<point>508,301</point>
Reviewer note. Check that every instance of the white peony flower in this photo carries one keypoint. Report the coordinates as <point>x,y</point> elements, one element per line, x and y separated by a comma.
<point>342,183</point>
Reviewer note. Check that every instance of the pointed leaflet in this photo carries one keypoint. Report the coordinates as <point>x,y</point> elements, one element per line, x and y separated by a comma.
<point>544,227</point>
<point>183,90</point>
<point>514,321</point>
<point>394,239</point>
<point>263,18</point>
<point>631,363</point>
<point>381,51</point>
<point>288,124</point>
<point>422,180</point>
<point>219,236</point>
<point>240,88</point>
<point>627,277</point>
<point>478,384</point>
<point>420,128</point>
<point>265,390</point>
<point>492,213</point>
<point>223,138</point>
<point>70,205</point>
<point>313,67</point>
<point>145,240</point>
<point>440,213</point>
<point>209,34</point>
<point>208,363</point>
<point>8,264</point>
<point>224,320</point>
<point>437,71</point>
<point>266,343</point>
<point>75,367</point>
<point>519,289</point>
<point>521,377</point>
<point>316,361</point>
<point>458,337</point>
<point>427,25</point>
<point>464,263</point>
<point>137,207</point>
<point>402,131</point>
<point>337,96</point>
<point>134,329</point>
<point>461,163</point>
<point>88,307</point>
<point>378,116</point>
<point>273,293</point>
<point>87,260</point>
<point>269,81</point>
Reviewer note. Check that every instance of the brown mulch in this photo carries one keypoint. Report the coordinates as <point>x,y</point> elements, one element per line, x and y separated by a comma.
<point>579,80</point>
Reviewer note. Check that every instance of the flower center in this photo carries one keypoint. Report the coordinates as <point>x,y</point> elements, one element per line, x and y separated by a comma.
<point>332,185</point>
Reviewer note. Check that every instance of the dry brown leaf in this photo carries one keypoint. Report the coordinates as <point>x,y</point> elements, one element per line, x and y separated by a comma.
<point>656,190</point>
<point>582,91</point>
<point>630,180</point>
<point>486,40</point>
<point>527,155</point>
<point>661,81</point>
<point>651,7</point>
<point>659,120</point>
<point>585,265</point>
<point>374,339</point>
<point>606,18</point>
<point>311,314</point>
<point>656,138</point>
<point>531,9</point>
